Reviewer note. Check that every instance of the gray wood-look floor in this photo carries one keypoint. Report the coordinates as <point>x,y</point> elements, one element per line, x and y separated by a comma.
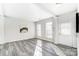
<point>68,51</point>
<point>19,48</point>
<point>27,48</point>
<point>47,49</point>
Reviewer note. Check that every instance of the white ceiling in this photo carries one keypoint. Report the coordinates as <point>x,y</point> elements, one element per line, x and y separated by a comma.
<point>35,12</point>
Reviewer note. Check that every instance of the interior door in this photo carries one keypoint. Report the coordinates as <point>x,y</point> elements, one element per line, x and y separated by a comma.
<point>67,29</point>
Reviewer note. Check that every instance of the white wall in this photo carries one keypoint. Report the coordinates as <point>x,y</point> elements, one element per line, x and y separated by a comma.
<point>12,27</point>
<point>1,30</point>
<point>69,40</point>
<point>78,43</point>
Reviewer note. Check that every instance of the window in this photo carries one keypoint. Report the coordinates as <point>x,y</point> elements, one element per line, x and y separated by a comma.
<point>38,29</point>
<point>65,28</point>
<point>49,30</point>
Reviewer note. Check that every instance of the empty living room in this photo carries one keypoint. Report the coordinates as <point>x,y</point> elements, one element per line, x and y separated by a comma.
<point>39,29</point>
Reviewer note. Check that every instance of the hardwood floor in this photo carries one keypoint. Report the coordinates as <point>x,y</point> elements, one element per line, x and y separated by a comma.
<point>69,51</point>
<point>47,49</point>
<point>29,47</point>
<point>19,48</point>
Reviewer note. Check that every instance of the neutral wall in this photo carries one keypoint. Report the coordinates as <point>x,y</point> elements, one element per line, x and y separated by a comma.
<point>78,43</point>
<point>1,30</point>
<point>12,27</point>
<point>69,40</point>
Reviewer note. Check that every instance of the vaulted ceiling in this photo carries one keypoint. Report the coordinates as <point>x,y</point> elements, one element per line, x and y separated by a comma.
<point>35,11</point>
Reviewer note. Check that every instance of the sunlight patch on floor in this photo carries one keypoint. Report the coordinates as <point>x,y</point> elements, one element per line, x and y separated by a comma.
<point>38,50</point>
